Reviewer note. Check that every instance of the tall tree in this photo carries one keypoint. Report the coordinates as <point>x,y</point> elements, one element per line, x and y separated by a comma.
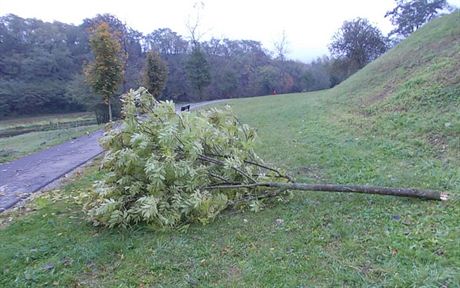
<point>409,15</point>
<point>281,47</point>
<point>198,71</point>
<point>105,73</point>
<point>358,42</point>
<point>131,45</point>
<point>155,74</point>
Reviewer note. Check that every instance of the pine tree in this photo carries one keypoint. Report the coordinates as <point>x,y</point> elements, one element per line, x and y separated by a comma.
<point>155,74</point>
<point>198,71</point>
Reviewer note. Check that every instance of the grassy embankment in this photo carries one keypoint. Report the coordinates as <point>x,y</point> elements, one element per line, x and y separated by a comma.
<point>395,123</point>
<point>32,134</point>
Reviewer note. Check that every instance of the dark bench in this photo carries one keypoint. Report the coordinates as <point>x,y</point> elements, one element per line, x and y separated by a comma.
<point>185,108</point>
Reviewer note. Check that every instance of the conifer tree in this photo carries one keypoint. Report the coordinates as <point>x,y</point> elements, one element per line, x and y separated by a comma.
<point>198,71</point>
<point>155,74</point>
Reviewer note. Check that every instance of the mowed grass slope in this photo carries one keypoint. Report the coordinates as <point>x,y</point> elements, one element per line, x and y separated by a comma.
<point>379,127</point>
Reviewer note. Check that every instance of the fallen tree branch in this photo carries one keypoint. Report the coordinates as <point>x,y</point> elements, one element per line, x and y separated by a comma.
<point>402,192</point>
<point>216,161</point>
<point>269,168</point>
<point>260,165</point>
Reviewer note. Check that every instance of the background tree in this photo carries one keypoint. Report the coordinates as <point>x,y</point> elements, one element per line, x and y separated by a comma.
<point>281,47</point>
<point>106,72</point>
<point>358,42</point>
<point>198,71</point>
<point>155,74</point>
<point>409,15</point>
<point>37,59</point>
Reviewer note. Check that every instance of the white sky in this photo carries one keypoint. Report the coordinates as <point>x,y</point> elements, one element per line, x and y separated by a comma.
<point>308,24</point>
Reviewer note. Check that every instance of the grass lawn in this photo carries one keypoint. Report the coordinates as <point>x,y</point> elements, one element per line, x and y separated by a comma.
<point>321,239</point>
<point>17,146</point>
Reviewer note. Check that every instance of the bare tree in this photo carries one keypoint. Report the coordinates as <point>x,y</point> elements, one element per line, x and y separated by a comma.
<point>193,23</point>
<point>281,47</point>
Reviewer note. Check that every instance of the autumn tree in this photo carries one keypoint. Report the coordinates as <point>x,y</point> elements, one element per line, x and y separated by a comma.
<point>105,73</point>
<point>155,74</point>
<point>358,42</point>
<point>409,15</point>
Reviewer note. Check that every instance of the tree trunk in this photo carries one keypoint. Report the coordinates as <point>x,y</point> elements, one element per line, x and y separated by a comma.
<point>110,110</point>
<point>403,192</point>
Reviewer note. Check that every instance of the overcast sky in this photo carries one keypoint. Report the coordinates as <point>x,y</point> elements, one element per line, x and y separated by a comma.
<point>308,25</point>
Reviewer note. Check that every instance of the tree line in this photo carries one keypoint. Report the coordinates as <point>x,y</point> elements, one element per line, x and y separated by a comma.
<point>41,66</point>
<point>41,63</point>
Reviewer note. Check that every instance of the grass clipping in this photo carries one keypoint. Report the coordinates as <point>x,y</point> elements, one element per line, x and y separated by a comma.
<point>164,168</point>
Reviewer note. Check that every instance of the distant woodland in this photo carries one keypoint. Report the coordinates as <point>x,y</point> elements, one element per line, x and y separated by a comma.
<point>41,66</point>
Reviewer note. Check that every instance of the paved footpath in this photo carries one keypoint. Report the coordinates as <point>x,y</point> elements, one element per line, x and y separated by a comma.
<point>22,177</point>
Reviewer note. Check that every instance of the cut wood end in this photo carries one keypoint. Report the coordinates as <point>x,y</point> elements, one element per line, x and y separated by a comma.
<point>444,196</point>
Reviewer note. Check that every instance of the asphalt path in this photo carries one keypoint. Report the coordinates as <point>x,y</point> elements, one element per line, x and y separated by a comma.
<point>22,177</point>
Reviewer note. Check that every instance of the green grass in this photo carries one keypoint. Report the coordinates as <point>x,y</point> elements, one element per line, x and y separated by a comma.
<point>43,120</point>
<point>17,146</point>
<point>325,240</point>
<point>387,125</point>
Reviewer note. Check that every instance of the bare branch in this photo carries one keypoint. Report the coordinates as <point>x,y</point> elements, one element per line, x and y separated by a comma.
<point>281,46</point>
<point>402,192</point>
<point>193,25</point>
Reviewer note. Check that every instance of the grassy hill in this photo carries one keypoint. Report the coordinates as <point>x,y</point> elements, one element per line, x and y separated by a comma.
<point>415,87</point>
<point>394,123</point>
<point>405,103</point>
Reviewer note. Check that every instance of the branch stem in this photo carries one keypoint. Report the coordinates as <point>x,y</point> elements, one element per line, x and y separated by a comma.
<point>402,192</point>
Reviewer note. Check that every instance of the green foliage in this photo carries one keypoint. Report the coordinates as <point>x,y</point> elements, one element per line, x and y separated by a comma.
<point>409,15</point>
<point>269,78</point>
<point>155,74</point>
<point>36,61</point>
<point>79,90</point>
<point>359,42</point>
<point>161,170</point>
